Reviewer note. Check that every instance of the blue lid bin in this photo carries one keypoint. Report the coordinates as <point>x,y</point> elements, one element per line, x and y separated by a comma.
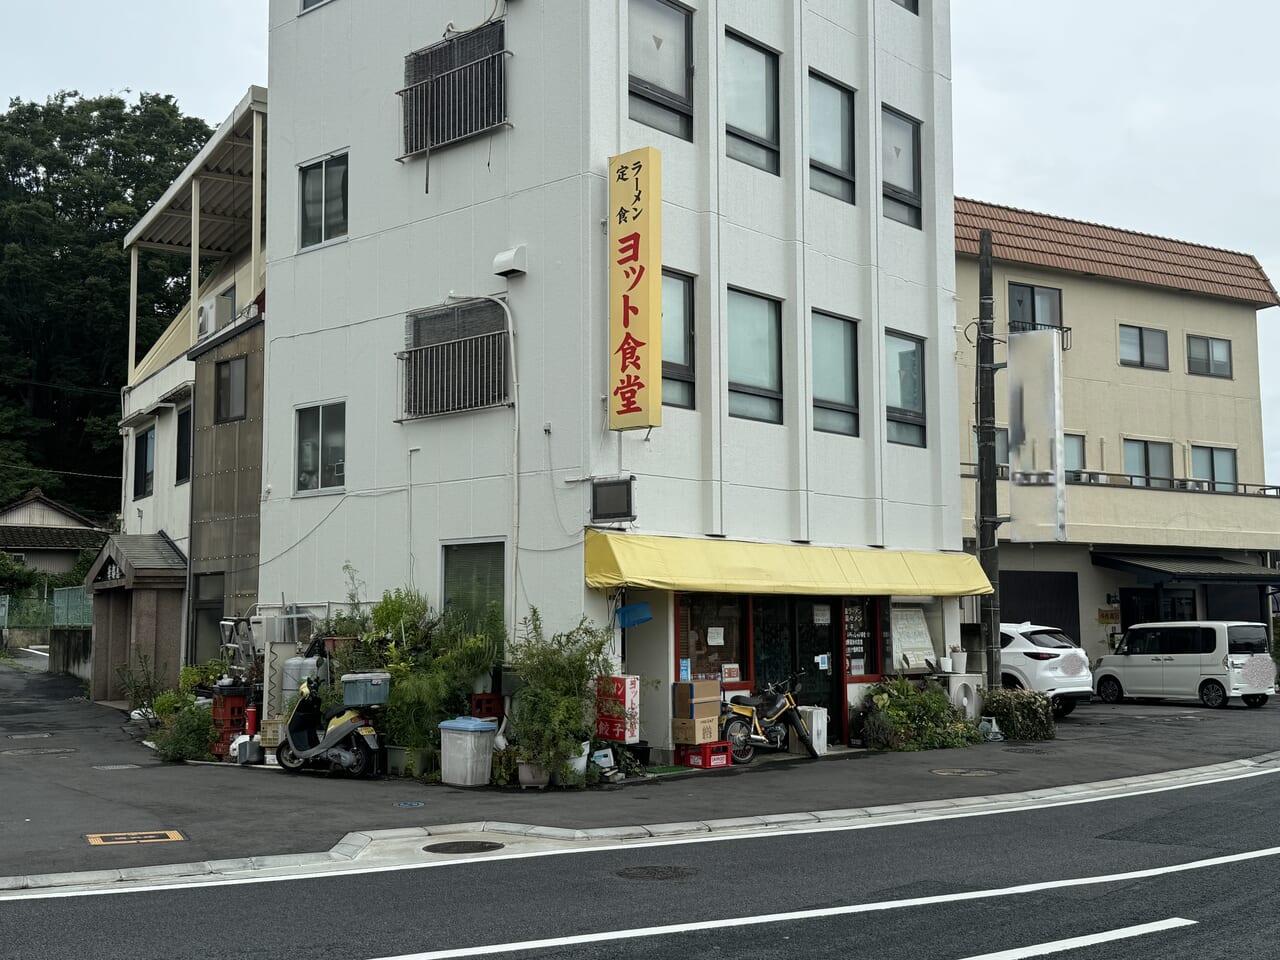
<point>466,751</point>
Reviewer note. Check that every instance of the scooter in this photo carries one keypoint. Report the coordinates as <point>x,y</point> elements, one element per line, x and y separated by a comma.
<point>762,721</point>
<point>343,738</point>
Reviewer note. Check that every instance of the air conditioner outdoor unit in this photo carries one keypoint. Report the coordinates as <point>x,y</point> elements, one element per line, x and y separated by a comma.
<point>965,693</point>
<point>213,314</point>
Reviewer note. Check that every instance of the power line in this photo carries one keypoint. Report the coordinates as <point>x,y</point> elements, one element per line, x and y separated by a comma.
<point>64,473</point>
<point>103,391</point>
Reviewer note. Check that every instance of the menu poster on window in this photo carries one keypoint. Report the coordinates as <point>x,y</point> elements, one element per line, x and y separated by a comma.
<point>912,644</point>
<point>715,636</point>
<point>857,638</point>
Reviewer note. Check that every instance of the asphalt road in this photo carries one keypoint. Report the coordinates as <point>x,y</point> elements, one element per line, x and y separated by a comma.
<point>935,889</point>
<point>70,768</point>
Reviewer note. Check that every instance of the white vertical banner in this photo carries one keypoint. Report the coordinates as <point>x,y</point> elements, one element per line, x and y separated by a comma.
<point>1037,498</point>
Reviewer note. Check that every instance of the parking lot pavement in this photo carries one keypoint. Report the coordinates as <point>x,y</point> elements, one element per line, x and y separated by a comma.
<point>72,769</point>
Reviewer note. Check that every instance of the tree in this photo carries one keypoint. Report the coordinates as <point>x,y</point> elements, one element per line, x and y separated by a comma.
<point>76,174</point>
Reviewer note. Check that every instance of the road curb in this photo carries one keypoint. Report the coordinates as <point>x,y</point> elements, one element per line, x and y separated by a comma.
<point>353,845</point>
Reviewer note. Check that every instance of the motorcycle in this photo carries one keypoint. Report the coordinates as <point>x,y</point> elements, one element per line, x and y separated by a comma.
<point>343,738</point>
<point>763,721</point>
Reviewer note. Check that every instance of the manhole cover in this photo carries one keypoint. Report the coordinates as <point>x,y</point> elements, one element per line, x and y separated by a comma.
<point>657,873</point>
<point>28,736</point>
<point>410,803</point>
<point>1031,750</point>
<point>117,766</point>
<point>463,846</point>
<point>33,751</point>
<point>963,772</point>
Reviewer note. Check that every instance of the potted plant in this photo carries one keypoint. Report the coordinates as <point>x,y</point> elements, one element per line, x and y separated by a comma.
<point>555,708</point>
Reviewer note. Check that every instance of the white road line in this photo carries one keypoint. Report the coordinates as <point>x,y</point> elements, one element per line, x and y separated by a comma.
<point>579,847</point>
<point>1058,946</point>
<point>38,653</point>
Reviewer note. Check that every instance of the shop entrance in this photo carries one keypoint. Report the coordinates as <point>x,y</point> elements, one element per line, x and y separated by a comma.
<point>800,634</point>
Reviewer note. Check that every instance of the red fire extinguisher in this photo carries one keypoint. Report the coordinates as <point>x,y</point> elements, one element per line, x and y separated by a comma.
<point>251,719</point>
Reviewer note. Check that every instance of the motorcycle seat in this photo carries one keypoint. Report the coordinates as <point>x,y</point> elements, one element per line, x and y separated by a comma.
<point>746,701</point>
<point>334,712</point>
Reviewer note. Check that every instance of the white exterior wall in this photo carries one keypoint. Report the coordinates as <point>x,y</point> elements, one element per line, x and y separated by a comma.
<point>168,507</point>
<point>338,310</point>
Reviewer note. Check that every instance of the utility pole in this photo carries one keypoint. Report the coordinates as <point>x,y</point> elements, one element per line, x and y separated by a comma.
<point>988,545</point>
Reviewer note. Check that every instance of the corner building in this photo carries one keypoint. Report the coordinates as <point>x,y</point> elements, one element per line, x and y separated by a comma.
<point>439,363</point>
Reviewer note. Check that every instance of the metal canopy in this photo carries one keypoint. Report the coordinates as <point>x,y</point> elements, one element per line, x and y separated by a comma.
<point>225,168</point>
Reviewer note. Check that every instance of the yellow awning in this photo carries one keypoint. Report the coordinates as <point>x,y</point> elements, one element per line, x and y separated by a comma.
<point>736,566</point>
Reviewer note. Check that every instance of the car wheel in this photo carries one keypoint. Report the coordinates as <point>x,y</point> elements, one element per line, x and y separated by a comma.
<point>1009,682</point>
<point>1254,699</point>
<point>1110,691</point>
<point>1062,708</point>
<point>1212,694</point>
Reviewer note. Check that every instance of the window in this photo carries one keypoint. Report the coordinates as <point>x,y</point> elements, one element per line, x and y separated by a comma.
<point>144,463</point>
<point>1149,463</point>
<point>322,446</point>
<point>711,630</point>
<point>1144,347</point>
<point>835,374</point>
<point>750,82</point>
<point>1073,454</point>
<point>1209,356</point>
<point>324,200</point>
<point>911,6</point>
<point>456,358</point>
<point>182,465</point>
<point>308,4</point>
<point>1216,464</point>
<point>229,402</point>
<point>830,138</point>
<point>660,61</point>
<point>20,558</point>
<point>455,89</point>
<point>677,340</point>
<point>1002,448</point>
<point>755,357</point>
<point>904,389</point>
<point>1031,307</point>
<point>473,580</point>
<point>900,162</point>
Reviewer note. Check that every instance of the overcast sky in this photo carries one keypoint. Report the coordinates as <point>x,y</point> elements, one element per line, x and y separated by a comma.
<point>1152,115</point>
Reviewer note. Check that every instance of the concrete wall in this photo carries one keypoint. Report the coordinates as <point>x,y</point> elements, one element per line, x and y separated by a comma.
<point>71,651</point>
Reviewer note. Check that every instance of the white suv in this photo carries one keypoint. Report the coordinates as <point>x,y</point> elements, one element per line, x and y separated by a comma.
<point>1033,657</point>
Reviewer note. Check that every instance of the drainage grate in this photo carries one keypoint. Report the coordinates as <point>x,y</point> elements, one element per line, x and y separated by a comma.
<point>117,766</point>
<point>28,736</point>
<point>34,751</point>
<point>663,872</point>
<point>462,846</point>
<point>963,772</point>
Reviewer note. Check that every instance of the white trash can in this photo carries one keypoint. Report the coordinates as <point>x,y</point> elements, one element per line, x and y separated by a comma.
<point>466,751</point>
<point>815,718</point>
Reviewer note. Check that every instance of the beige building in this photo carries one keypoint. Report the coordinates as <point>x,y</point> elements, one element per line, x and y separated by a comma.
<point>1167,515</point>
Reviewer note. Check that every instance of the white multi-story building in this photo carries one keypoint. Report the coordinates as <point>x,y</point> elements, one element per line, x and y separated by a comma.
<point>438,374</point>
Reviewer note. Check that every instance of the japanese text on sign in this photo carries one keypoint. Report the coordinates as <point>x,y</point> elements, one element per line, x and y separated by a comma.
<point>635,290</point>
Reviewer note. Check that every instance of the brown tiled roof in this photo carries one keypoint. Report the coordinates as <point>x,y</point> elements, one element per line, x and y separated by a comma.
<point>1037,239</point>
<point>22,537</point>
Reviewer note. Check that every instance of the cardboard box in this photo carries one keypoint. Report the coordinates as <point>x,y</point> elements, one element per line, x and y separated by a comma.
<point>698,709</point>
<point>696,690</point>
<point>703,730</point>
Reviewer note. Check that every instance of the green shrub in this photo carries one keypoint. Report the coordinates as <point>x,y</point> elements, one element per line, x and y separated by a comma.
<point>1021,714</point>
<point>187,735</point>
<point>899,715</point>
<point>198,674</point>
<point>170,702</point>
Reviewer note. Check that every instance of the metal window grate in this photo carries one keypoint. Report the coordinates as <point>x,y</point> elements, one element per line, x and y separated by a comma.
<point>454,90</point>
<point>455,375</point>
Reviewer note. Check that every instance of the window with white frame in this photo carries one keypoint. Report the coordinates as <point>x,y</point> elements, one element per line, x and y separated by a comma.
<point>474,577</point>
<point>455,358</point>
<point>755,357</point>
<point>830,137</point>
<point>1208,356</point>
<point>1149,463</point>
<point>835,374</point>
<point>144,462</point>
<point>322,446</point>
<point>904,389</point>
<point>750,82</point>
<point>1144,347</point>
<point>660,65</point>
<point>900,166</point>
<point>677,340</point>
<point>324,200</point>
<point>1216,465</point>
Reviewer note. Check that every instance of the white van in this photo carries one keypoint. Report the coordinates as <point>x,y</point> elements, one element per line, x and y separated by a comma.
<point>1213,660</point>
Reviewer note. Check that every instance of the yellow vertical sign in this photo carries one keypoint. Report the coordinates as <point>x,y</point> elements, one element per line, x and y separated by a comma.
<point>635,290</point>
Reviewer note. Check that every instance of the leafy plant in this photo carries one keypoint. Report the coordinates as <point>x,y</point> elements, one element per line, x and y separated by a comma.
<point>200,674</point>
<point>503,771</point>
<point>899,715</point>
<point>1021,714</point>
<point>187,735</point>
<point>140,684</point>
<point>169,702</point>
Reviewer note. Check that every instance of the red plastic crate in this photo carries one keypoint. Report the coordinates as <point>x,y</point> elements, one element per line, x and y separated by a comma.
<point>486,705</point>
<point>704,755</point>
<point>230,706</point>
